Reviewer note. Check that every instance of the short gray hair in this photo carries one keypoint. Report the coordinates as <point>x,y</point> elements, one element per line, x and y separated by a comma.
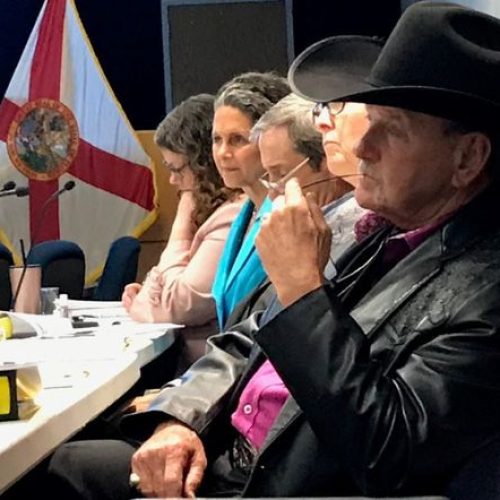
<point>295,113</point>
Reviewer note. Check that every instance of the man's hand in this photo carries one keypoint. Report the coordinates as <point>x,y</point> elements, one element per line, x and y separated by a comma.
<point>140,403</point>
<point>171,463</point>
<point>129,294</point>
<point>294,245</point>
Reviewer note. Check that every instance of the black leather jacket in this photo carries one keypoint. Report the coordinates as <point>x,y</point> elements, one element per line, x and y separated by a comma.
<point>389,395</point>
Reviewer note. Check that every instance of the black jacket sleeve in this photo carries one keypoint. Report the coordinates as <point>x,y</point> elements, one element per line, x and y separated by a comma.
<point>199,394</point>
<point>412,409</point>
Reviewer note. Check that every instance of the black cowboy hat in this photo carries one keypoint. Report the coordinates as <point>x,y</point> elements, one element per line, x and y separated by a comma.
<point>442,59</point>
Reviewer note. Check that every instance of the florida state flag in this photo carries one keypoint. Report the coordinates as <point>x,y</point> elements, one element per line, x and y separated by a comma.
<point>60,121</point>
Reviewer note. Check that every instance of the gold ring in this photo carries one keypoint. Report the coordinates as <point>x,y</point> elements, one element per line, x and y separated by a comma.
<point>134,480</point>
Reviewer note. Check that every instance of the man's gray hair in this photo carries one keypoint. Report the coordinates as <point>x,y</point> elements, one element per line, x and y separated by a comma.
<point>295,113</point>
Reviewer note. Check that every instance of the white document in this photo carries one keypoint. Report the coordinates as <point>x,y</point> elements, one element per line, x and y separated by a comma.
<point>97,309</point>
<point>94,304</point>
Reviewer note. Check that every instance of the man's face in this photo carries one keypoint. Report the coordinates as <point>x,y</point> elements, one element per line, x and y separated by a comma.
<point>407,166</point>
<point>278,156</point>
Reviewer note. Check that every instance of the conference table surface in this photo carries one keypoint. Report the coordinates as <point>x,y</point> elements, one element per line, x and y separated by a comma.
<point>81,392</point>
<point>80,378</point>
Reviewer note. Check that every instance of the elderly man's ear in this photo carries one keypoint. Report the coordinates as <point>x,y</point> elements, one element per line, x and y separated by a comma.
<point>471,156</point>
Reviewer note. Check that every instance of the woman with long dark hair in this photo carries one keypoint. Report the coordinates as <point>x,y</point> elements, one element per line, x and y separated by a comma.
<point>178,288</point>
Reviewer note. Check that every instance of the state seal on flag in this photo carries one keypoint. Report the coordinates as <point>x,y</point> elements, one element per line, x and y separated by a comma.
<point>42,141</point>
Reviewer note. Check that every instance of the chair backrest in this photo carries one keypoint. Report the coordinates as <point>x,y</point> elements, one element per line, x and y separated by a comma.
<point>119,270</point>
<point>63,265</point>
<point>479,478</point>
<point>6,261</point>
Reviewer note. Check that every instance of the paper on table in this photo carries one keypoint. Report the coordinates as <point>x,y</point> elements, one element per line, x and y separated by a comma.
<point>101,313</point>
<point>130,328</point>
<point>29,325</point>
<point>97,309</point>
<point>71,349</point>
<point>94,304</point>
<point>16,364</point>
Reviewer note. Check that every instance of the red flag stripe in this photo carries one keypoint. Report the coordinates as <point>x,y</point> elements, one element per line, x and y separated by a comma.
<point>43,226</point>
<point>7,112</point>
<point>113,174</point>
<point>45,78</point>
<point>45,81</point>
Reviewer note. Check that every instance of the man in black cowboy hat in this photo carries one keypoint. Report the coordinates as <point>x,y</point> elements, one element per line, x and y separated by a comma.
<point>390,374</point>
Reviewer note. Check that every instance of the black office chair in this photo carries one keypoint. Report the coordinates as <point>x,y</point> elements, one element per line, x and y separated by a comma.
<point>63,266</point>
<point>120,269</point>
<point>477,479</point>
<point>6,261</point>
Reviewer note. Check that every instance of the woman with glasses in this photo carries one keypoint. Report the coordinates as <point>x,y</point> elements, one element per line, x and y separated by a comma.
<point>341,124</point>
<point>178,288</point>
<point>238,105</point>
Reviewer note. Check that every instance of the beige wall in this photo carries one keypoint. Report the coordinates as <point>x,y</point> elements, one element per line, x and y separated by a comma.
<point>154,239</point>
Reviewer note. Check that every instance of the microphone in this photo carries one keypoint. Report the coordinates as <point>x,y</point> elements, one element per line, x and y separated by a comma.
<point>68,186</point>
<point>19,192</point>
<point>8,186</point>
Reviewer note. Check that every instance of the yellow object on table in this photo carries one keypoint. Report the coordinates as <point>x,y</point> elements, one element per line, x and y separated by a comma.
<point>5,326</point>
<point>19,387</point>
<point>8,396</point>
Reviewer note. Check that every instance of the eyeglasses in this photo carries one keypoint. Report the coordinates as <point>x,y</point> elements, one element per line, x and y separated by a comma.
<point>334,109</point>
<point>280,183</point>
<point>330,178</point>
<point>175,170</point>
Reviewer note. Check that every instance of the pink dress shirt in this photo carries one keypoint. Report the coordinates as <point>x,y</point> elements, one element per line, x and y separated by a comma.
<point>265,394</point>
<point>259,404</point>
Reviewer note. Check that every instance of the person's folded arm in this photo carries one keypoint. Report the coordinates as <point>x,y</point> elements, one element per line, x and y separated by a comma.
<point>178,289</point>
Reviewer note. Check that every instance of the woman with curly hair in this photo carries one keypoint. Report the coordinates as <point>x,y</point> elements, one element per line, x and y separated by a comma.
<point>239,104</point>
<point>178,288</point>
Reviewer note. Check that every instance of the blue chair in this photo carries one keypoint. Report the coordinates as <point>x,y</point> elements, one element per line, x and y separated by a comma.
<point>119,270</point>
<point>63,266</point>
<point>6,261</point>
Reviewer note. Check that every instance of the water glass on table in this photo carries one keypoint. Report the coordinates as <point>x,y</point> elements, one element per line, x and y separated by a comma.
<point>25,282</point>
<point>48,295</point>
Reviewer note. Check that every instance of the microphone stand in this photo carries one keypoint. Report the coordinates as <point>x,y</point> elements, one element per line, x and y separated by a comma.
<point>68,186</point>
<point>19,192</point>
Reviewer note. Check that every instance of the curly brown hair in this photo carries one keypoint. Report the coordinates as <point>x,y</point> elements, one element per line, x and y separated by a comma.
<point>187,130</point>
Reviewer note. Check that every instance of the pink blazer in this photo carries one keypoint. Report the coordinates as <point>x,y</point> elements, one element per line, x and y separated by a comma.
<point>178,288</point>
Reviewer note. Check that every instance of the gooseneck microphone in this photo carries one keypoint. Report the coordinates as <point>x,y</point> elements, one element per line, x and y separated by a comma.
<point>8,186</point>
<point>68,186</point>
<point>19,192</point>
